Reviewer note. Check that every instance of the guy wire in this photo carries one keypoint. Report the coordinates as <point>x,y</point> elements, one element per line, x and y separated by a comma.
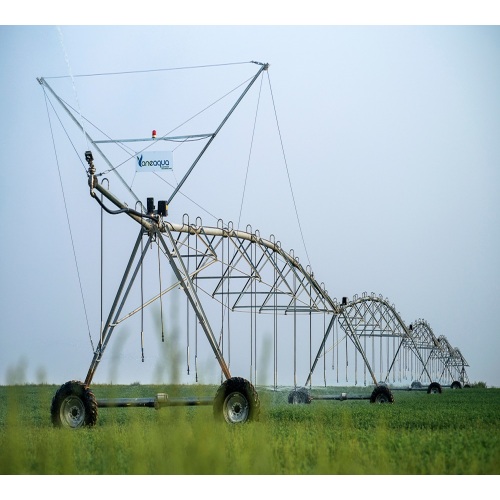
<point>69,225</point>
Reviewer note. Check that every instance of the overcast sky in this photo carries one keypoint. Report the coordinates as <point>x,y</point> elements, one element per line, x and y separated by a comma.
<point>391,141</point>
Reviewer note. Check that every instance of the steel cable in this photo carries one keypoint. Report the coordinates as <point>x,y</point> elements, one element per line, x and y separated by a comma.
<point>288,172</point>
<point>69,225</point>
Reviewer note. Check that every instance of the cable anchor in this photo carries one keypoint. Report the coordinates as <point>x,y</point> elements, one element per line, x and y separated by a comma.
<point>266,65</point>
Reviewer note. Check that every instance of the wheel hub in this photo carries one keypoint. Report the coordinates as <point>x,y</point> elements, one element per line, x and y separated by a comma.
<point>72,412</point>
<point>236,408</point>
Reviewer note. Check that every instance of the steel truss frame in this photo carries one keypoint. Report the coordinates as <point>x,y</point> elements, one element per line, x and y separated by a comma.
<point>239,269</point>
<point>247,273</point>
<point>444,362</point>
<point>371,317</point>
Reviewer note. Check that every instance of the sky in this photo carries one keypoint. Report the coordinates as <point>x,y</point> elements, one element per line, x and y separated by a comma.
<point>390,135</point>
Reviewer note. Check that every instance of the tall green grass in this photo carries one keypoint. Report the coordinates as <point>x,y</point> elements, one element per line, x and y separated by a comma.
<point>456,432</point>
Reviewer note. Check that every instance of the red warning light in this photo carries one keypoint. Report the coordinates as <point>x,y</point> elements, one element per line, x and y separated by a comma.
<point>154,134</point>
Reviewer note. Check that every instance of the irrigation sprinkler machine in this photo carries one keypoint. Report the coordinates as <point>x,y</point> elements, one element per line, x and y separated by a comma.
<point>362,339</point>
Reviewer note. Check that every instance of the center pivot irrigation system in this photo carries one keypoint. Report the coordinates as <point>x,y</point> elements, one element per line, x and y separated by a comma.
<point>244,292</point>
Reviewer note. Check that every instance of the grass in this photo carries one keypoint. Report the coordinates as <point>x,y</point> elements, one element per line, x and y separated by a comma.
<point>456,432</point>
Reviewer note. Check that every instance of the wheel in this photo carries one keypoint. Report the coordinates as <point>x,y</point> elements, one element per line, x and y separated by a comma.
<point>456,385</point>
<point>416,385</point>
<point>236,402</point>
<point>434,388</point>
<point>299,396</point>
<point>381,394</point>
<point>73,406</point>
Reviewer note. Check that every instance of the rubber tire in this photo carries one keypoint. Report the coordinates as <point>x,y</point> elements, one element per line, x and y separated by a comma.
<point>381,394</point>
<point>236,402</point>
<point>299,396</point>
<point>73,406</point>
<point>416,385</point>
<point>456,385</point>
<point>434,388</point>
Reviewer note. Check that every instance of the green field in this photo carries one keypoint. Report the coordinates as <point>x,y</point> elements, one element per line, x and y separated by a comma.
<point>456,432</point>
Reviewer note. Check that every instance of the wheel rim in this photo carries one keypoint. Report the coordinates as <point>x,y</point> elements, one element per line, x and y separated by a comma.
<point>72,412</point>
<point>236,408</point>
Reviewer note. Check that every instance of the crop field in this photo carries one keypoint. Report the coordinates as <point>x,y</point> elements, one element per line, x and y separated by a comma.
<point>456,432</point>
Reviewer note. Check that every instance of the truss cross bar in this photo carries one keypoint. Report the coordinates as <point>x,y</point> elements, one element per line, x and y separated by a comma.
<point>150,139</point>
<point>351,333</point>
<point>210,250</point>
<point>193,275</point>
<point>395,357</point>
<point>302,278</point>
<point>321,347</point>
<point>250,277</point>
<point>281,278</point>
<point>185,281</point>
<point>255,274</point>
